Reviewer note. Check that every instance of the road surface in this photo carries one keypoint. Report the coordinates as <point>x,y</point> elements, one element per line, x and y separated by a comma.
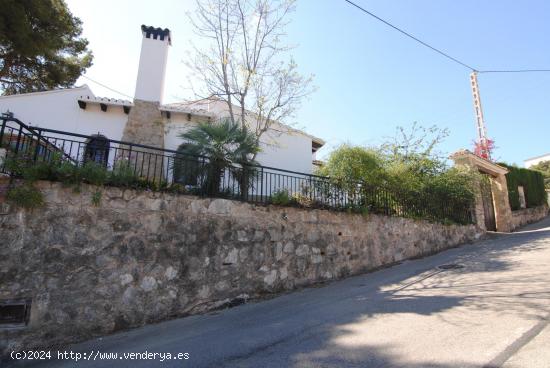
<point>493,312</point>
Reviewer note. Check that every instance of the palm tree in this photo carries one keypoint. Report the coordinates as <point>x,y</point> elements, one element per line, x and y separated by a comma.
<point>215,149</point>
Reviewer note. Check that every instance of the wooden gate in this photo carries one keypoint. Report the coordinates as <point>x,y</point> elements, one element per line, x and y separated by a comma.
<point>488,206</point>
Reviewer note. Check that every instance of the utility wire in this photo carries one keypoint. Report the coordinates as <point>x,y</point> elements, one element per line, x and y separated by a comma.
<point>411,36</point>
<point>516,71</point>
<point>441,52</point>
<point>104,86</point>
<point>397,29</point>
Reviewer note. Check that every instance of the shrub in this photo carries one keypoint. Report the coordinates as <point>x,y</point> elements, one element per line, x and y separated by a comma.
<point>177,188</point>
<point>15,163</point>
<point>122,174</point>
<point>350,164</point>
<point>25,196</point>
<point>96,198</point>
<point>281,197</point>
<point>544,168</point>
<point>93,173</point>
<point>533,186</point>
<point>302,200</point>
<point>68,173</point>
<point>404,176</point>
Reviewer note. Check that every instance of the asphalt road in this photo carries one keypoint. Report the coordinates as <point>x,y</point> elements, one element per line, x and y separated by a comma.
<point>494,312</point>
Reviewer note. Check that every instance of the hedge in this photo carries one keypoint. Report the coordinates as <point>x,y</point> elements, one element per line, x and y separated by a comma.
<point>533,186</point>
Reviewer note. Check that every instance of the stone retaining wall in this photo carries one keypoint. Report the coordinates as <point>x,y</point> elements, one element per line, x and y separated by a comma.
<point>528,215</point>
<point>142,257</point>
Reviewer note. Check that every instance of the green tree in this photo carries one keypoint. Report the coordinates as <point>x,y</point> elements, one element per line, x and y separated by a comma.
<point>243,60</point>
<point>533,184</point>
<point>353,164</point>
<point>352,169</point>
<point>413,152</point>
<point>407,170</point>
<point>40,46</point>
<point>226,146</point>
<point>544,168</point>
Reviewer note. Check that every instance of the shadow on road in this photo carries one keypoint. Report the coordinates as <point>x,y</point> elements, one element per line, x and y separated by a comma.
<point>348,341</point>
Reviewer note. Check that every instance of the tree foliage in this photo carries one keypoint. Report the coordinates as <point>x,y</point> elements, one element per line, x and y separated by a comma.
<point>40,46</point>
<point>412,153</point>
<point>354,164</point>
<point>407,166</point>
<point>544,168</point>
<point>223,146</point>
<point>245,62</point>
<point>533,186</point>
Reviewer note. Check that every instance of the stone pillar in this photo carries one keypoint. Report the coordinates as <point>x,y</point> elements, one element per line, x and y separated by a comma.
<point>145,126</point>
<point>503,212</point>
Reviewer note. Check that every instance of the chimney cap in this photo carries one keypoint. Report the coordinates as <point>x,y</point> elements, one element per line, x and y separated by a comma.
<point>157,33</point>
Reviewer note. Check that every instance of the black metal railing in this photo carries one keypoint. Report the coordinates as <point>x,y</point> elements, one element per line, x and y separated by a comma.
<point>132,164</point>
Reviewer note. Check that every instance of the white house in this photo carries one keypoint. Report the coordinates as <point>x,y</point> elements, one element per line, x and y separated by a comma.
<point>535,160</point>
<point>146,120</point>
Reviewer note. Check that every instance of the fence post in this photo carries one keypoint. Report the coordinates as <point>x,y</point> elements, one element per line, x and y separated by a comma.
<point>244,183</point>
<point>262,184</point>
<point>2,131</point>
<point>18,139</point>
<point>37,146</point>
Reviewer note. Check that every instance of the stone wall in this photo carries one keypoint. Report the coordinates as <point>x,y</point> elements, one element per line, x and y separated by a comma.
<point>145,124</point>
<point>141,257</point>
<point>528,215</point>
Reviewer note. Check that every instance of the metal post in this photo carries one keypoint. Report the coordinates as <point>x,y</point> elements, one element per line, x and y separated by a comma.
<point>2,131</point>
<point>18,139</point>
<point>37,145</point>
<point>261,184</point>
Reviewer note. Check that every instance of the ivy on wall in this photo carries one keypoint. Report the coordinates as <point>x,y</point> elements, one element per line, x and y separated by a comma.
<point>533,186</point>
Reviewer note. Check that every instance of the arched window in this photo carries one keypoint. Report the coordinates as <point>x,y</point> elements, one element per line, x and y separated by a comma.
<point>186,168</point>
<point>97,149</point>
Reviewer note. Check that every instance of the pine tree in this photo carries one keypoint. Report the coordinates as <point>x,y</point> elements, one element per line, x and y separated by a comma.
<point>41,46</point>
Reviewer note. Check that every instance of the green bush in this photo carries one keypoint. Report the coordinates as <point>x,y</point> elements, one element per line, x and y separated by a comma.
<point>96,198</point>
<point>25,196</point>
<point>533,186</point>
<point>122,174</point>
<point>351,164</point>
<point>16,163</point>
<point>93,173</point>
<point>281,198</point>
<point>544,168</point>
<point>414,184</point>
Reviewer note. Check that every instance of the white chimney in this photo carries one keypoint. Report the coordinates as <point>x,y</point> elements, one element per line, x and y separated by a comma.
<point>152,64</point>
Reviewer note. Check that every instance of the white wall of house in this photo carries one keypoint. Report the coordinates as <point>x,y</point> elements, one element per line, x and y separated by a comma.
<point>177,125</point>
<point>59,110</point>
<point>286,150</point>
<point>535,160</point>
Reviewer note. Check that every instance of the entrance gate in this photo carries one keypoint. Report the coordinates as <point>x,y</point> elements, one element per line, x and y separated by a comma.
<point>492,208</point>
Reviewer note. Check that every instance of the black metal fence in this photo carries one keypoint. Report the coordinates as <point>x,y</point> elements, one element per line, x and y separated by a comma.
<point>133,164</point>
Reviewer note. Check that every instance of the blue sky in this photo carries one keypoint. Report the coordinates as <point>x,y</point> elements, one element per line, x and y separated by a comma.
<point>370,78</point>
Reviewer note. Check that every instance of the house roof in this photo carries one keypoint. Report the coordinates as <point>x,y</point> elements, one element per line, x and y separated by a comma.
<point>195,108</point>
<point>181,107</point>
<point>106,101</point>
<point>52,91</point>
<point>537,157</point>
